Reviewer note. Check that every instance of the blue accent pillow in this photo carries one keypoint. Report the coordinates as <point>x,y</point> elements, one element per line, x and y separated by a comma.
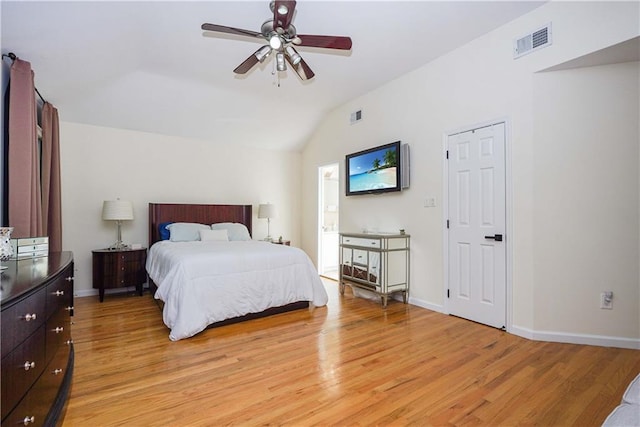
<point>164,231</point>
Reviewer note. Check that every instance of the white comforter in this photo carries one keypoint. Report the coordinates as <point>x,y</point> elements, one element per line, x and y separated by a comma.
<point>206,282</point>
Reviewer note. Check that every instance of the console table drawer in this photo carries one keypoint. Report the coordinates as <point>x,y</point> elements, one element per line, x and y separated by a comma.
<point>360,241</point>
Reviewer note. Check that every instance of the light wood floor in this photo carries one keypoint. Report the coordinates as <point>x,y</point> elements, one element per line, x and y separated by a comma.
<point>350,363</point>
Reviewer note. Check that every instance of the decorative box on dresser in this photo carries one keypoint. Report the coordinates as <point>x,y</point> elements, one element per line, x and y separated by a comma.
<point>37,349</point>
<point>377,263</point>
<point>119,268</point>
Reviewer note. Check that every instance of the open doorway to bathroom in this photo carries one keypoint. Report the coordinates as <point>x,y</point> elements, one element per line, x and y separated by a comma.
<point>328,214</point>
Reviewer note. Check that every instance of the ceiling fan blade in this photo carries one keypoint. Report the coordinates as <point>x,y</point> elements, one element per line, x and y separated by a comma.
<point>327,42</point>
<point>230,30</point>
<point>302,69</point>
<point>247,64</point>
<point>283,13</point>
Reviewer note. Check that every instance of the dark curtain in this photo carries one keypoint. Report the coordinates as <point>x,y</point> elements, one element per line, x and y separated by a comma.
<point>35,207</point>
<point>5,158</point>
<point>25,209</point>
<point>51,197</point>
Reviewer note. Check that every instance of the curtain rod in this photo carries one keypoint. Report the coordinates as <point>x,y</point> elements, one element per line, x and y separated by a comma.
<point>12,56</point>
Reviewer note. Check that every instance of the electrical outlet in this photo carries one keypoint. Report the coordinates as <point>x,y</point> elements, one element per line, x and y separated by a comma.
<point>606,300</point>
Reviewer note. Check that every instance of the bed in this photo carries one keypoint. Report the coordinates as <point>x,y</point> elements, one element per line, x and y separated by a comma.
<point>213,282</point>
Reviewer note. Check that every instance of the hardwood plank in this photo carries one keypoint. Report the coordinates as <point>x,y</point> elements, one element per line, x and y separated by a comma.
<point>350,363</point>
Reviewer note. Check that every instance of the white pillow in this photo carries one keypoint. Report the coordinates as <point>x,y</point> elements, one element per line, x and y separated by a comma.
<point>235,230</point>
<point>185,231</point>
<point>211,235</point>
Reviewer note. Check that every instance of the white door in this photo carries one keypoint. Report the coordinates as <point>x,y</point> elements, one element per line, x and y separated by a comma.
<point>477,224</point>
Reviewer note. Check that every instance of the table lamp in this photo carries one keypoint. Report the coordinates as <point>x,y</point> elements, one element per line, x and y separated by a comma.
<point>267,211</point>
<point>117,210</point>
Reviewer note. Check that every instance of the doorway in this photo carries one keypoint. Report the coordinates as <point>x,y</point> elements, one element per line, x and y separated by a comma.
<point>476,227</point>
<point>328,217</point>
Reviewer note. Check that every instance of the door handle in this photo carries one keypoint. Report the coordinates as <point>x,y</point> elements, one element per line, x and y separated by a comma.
<point>497,237</point>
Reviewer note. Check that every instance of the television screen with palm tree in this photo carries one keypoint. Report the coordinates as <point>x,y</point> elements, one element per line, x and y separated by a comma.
<point>376,170</point>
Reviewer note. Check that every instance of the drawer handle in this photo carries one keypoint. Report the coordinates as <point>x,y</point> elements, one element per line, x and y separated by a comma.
<point>29,365</point>
<point>57,371</point>
<point>29,420</point>
<point>29,317</point>
<point>69,308</point>
<point>58,329</point>
<point>68,279</point>
<point>68,342</point>
<point>59,293</point>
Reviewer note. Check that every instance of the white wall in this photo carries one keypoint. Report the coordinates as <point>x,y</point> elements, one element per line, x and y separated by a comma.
<point>474,84</point>
<point>104,163</point>
<point>586,199</point>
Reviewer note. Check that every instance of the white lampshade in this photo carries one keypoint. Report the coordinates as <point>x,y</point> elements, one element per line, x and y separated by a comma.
<point>267,211</point>
<point>117,210</point>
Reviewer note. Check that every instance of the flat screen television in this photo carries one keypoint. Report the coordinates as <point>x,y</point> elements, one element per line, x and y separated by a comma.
<point>376,170</point>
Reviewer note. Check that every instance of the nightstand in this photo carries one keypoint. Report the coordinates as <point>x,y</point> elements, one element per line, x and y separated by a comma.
<point>282,242</point>
<point>119,269</point>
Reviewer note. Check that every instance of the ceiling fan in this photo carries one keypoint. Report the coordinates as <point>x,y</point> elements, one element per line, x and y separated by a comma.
<point>281,37</point>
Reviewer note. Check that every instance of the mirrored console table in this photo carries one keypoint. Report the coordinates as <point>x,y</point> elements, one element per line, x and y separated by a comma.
<point>375,262</point>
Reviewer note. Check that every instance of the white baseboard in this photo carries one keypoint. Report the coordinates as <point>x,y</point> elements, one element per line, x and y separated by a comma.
<point>561,337</point>
<point>570,338</point>
<point>426,304</point>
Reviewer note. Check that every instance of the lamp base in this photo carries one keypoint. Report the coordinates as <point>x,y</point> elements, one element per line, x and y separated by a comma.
<point>119,246</point>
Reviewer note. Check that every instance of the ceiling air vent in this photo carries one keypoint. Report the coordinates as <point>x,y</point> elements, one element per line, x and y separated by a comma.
<point>356,116</point>
<point>533,41</point>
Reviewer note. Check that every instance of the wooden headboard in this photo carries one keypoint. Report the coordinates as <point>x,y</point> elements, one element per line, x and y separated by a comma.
<point>203,214</point>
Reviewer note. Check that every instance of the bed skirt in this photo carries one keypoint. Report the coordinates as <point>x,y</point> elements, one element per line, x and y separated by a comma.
<point>299,305</point>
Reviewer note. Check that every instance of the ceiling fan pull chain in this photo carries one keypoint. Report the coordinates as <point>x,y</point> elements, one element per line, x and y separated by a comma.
<point>276,75</point>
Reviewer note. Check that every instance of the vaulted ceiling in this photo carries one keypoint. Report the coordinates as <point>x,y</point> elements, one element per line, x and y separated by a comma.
<point>148,66</point>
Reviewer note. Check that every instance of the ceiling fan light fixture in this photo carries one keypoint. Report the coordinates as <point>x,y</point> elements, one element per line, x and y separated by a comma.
<point>280,64</point>
<point>293,55</point>
<point>275,42</point>
<point>263,52</point>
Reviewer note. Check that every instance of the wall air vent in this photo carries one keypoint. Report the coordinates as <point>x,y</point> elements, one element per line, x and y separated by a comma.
<point>356,116</point>
<point>533,41</point>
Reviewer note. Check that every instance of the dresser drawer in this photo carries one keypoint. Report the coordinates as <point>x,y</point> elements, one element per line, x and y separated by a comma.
<point>38,402</point>
<point>16,379</point>
<point>26,413</point>
<point>18,321</point>
<point>362,242</point>
<point>60,293</point>
<point>57,331</point>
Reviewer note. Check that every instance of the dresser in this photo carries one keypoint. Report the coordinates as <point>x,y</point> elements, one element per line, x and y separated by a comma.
<point>378,263</point>
<point>37,350</point>
<point>118,269</point>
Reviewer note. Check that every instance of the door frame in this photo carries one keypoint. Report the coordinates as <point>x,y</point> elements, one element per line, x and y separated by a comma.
<point>508,214</point>
<point>320,205</point>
